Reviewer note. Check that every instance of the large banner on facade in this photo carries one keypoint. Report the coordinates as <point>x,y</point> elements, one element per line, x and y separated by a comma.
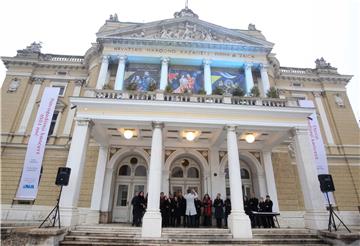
<point>143,75</point>
<point>28,186</point>
<point>316,139</point>
<point>227,81</point>
<point>182,80</point>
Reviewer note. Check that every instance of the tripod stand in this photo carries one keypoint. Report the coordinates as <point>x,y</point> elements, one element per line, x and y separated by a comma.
<point>331,217</point>
<point>56,215</point>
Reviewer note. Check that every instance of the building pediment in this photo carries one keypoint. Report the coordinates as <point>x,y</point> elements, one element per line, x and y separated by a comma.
<point>185,28</point>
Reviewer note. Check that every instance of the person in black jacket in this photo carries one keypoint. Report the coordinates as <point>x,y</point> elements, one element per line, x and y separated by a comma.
<point>219,210</point>
<point>268,208</point>
<point>177,211</point>
<point>253,206</point>
<point>139,208</point>
<point>227,210</point>
<point>198,211</point>
<point>262,219</point>
<point>182,202</point>
<point>133,209</point>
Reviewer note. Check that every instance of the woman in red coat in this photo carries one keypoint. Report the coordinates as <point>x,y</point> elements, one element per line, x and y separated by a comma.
<point>207,204</point>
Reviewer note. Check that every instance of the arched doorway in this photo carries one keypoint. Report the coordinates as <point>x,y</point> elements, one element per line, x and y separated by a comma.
<point>246,179</point>
<point>131,177</point>
<point>185,173</point>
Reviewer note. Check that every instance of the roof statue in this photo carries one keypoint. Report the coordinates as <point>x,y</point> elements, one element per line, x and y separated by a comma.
<point>321,63</point>
<point>186,12</point>
<point>251,27</point>
<point>113,18</point>
<point>33,48</point>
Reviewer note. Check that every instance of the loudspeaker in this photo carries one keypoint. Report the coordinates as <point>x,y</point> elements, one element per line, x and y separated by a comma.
<point>63,175</point>
<point>326,183</point>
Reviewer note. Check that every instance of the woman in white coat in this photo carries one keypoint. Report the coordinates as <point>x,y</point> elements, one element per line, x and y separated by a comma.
<point>190,207</point>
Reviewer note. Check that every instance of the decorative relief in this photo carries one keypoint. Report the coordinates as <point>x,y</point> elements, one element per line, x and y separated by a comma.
<point>221,155</point>
<point>205,154</point>
<point>168,152</point>
<point>339,101</point>
<point>185,31</point>
<point>112,152</point>
<point>14,85</point>
<point>256,155</point>
<point>291,149</point>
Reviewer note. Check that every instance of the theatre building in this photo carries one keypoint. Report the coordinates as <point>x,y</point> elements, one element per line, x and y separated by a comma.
<point>169,105</point>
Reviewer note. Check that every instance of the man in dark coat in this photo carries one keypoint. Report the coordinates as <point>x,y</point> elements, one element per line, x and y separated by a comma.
<point>262,219</point>
<point>219,210</point>
<point>253,206</point>
<point>268,208</point>
<point>139,208</point>
<point>182,202</point>
<point>198,212</point>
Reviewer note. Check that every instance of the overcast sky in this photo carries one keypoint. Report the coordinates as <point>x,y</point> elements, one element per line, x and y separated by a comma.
<point>302,30</point>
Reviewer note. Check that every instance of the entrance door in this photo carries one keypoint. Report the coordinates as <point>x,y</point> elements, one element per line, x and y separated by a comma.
<point>130,180</point>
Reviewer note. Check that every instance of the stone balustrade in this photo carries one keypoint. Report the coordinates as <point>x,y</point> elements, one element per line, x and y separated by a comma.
<point>296,71</point>
<point>194,98</point>
<point>63,58</point>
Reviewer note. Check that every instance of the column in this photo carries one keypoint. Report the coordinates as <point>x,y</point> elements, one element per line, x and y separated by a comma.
<point>119,80</point>
<point>315,216</point>
<point>103,73</point>
<point>71,112</point>
<point>323,118</point>
<point>207,77</point>
<point>270,180</point>
<point>248,77</point>
<point>164,72</point>
<point>262,184</point>
<point>152,218</point>
<point>30,105</point>
<point>264,79</point>
<point>76,161</point>
<point>239,222</point>
<point>93,216</point>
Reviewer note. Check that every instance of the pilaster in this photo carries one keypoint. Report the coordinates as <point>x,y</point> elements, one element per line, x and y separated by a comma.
<point>207,76</point>
<point>164,72</point>
<point>248,77</point>
<point>103,72</point>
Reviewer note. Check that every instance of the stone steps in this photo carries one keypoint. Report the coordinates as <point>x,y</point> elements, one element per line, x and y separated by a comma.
<point>121,235</point>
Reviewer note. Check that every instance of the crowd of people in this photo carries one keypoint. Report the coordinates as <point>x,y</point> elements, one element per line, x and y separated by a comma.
<point>191,211</point>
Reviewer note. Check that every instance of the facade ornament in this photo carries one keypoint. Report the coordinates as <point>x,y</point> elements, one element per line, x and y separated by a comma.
<point>339,101</point>
<point>252,27</point>
<point>80,82</point>
<point>14,84</point>
<point>291,149</point>
<point>38,80</point>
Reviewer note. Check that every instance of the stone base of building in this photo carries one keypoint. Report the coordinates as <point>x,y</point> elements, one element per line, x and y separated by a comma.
<point>317,220</point>
<point>151,225</point>
<point>69,216</point>
<point>93,217</point>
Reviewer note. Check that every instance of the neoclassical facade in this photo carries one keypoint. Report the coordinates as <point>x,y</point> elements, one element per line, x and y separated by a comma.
<point>175,104</point>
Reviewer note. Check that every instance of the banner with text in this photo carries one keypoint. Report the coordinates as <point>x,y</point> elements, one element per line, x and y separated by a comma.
<point>28,186</point>
<point>316,139</point>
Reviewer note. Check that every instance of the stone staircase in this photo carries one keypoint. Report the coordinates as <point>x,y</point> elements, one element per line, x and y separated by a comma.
<point>124,235</point>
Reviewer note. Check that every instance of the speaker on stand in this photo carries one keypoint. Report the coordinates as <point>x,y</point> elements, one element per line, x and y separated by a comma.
<point>62,179</point>
<point>326,186</point>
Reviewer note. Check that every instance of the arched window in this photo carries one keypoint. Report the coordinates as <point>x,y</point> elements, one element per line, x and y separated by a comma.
<point>193,173</point>
<point>140,171</point>
<point>244,173</point>
<point>125,171</point>
<point>177,172</point>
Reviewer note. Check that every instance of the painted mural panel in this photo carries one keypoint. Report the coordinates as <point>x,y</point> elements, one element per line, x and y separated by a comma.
<point>228,80</point>
<point>186,79</point>
<point>142,75</point>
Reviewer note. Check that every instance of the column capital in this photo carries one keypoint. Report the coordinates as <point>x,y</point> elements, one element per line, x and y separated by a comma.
<point>317,93</point>
<point>37,81</point>
<point>231,128</point>
<point>84,122</point>
<point>121,58</point>
<point>105,59</point>
<point>165,60</point>
<point>248,65</point>
<point>207,62</point>
<point>296,131</point>
<point>263,66</point>
<point>156,124</point>
<point>80,82</point>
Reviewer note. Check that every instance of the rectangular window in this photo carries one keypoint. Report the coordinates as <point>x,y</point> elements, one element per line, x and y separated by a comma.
<point>53,122</point>
<point>122,196</point>
<point>62,89</point>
